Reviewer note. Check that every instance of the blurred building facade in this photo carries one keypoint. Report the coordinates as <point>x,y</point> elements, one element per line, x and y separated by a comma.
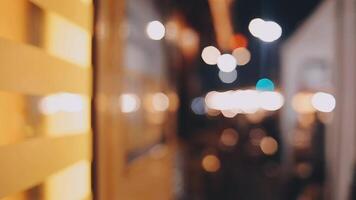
<point>319,57</point>
<point>89,97</point>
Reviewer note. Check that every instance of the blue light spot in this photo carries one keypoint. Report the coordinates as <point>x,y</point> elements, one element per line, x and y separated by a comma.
<point>265,84</point>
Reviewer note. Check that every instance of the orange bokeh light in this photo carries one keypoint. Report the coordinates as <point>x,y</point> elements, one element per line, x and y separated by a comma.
<point>238,41</point>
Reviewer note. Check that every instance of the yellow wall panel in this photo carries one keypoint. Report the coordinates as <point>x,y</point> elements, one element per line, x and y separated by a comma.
<point>72,183</point>
<point>29,163</point>
<point>27,69</point>
<point>67,40</point>
<point>13,21</point>
<point>77,11</point>
<point>12,118</point>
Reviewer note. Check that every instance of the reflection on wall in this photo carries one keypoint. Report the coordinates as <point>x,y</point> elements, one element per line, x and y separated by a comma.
<point>144,77</point>
<point>67,40</point>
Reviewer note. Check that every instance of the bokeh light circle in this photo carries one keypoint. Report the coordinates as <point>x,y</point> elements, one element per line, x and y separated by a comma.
<point>210,55</point>
<point>227,63</point>
<point>265,84</point>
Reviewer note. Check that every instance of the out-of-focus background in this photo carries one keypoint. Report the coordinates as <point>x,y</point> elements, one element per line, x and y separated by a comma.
<point>177,99</point>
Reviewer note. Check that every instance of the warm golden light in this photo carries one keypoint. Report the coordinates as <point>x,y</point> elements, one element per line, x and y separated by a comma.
<point>129,103</point>
<point>160,102</point>
<point>323,102</point>
<point>269,145</point>
<point>221,16</point>
<point>189,42</point>
<point>211,163</point>
<point>301,103</point>
<point>229,137</point>
<point>173,101</point>
<point>210,55</point>
<point>172,30</point>
<point>256,117</point>
<point>306,120</point>
<point>72,182</point>
<point>155,30</point>
<point>242,56</point>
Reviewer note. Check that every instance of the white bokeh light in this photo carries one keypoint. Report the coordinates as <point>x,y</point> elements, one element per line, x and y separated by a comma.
<point>227,63</point>
<point>210,55</point>
<point>323,102</point>
<point>230,103</point>
<point>155,30</point>
<point>271,101</point>
<point>228,77</point>
<point>272,32</point>
<point>256,27</point>
<point>129,103</point>
<point>61,102</point>
<point>267,31</point>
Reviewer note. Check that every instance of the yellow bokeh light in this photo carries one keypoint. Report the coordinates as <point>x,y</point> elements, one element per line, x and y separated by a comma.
<point>211,163</point>
<point>269,145</point>
<point>301,103</point>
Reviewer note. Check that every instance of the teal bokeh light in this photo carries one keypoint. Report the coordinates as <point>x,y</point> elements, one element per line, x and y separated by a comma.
<point>265,84</point>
